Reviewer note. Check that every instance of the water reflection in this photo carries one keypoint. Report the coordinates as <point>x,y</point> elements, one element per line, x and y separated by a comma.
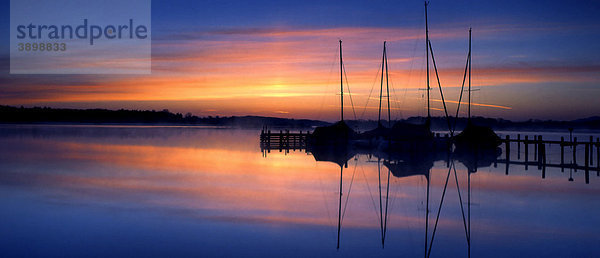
<point>403,164</point>
<point>162,191</point>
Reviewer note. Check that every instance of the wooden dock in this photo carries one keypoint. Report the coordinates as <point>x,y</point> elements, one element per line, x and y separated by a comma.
<point>534,154</point>
<point>539,146</point>
<point>283,140</point>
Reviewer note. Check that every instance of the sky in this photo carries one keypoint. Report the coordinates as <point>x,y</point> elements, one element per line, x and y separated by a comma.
<point>530,60</point>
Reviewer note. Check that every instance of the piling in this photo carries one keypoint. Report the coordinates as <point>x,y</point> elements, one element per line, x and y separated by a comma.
<point>542,157</point>
<point>539,147</point>
<point>562,154</point>
<point>587,175</point>
<point>598,156</point>
<point>507,148</point>
<point>586,155</point>
<point>518,146</point>
<point>574,147</point>
<point>526,143</point>
<point>543,151</point>
<point>591,150</point>
<point>535,145</point>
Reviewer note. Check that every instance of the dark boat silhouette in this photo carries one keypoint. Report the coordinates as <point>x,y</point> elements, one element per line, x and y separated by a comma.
<point>474,157</point>
<point>406,164</point>
<point>337,133</point>
<point>411,132</point>
<point>379,133</point>
<point>475,136</point>
<point>337,153</point>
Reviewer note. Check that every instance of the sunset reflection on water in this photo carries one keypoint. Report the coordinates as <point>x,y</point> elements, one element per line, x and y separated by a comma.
<point>161,183</point>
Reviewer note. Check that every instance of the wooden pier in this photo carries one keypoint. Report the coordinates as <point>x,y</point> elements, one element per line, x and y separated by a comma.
<point>540,145</point>
<point>283,140</point>
<point>535,152</point>
<point>540,155</point>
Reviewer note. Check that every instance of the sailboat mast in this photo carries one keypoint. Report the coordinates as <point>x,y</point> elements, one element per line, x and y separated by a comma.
<point>387,84</point>
<point>469,117</point>
<point>427,57</point>
<point>341,84</point>
<point>381,86</point>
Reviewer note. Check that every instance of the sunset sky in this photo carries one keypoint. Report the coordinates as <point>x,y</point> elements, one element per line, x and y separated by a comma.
<point>531,59</point>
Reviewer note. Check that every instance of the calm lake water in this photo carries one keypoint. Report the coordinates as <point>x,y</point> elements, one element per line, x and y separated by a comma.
<point>119,191</point>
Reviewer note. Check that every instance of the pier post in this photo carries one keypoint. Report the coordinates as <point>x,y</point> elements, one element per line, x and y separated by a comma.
<point>535,145</point>
<point>539,151</point>
<point>587,155</point>
<point>507,149</point>
<point>598,156</point>
<point>542,157</point>
<point>587,175</point>
<point>562,154</point>
<point>543,172</point>
<point>269,140</point>
<point>587,162</point>
<point>280,140</point>
<point>518,146</point>
<point>526,142</point>
<point>591,150</point>
<point>574,147</point>
<point>543,151</point>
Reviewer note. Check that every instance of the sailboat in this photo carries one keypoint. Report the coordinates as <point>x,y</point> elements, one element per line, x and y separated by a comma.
<point>381,132</point>
<point>403,131</point>
<point>475,136</point>
<point>338,133</point>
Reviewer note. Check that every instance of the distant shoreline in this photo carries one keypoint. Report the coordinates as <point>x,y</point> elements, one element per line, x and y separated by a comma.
<point>122,117</point>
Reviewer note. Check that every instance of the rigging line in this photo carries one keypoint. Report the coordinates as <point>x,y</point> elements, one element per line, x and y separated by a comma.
<point>323,93</point>
<point>387,87</point>
<point>441,92</point>
<point>370,192</point>
<point>395,99</point>
<point>412,62</point>
<point>397,102</point>
<point>349,188</point>
<point>380,202</point>
<point>387,195</point>
<point>439,209</point>
<point>381,86</point>
<point>325,201</point>
<point>395,193</point>
<point>462,209</point>
<point>462,88</point>
<point>349,93</point>
<point>370,92</point>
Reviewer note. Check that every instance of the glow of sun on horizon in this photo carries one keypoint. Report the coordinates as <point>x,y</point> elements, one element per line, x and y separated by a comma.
<point>295,72</point>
